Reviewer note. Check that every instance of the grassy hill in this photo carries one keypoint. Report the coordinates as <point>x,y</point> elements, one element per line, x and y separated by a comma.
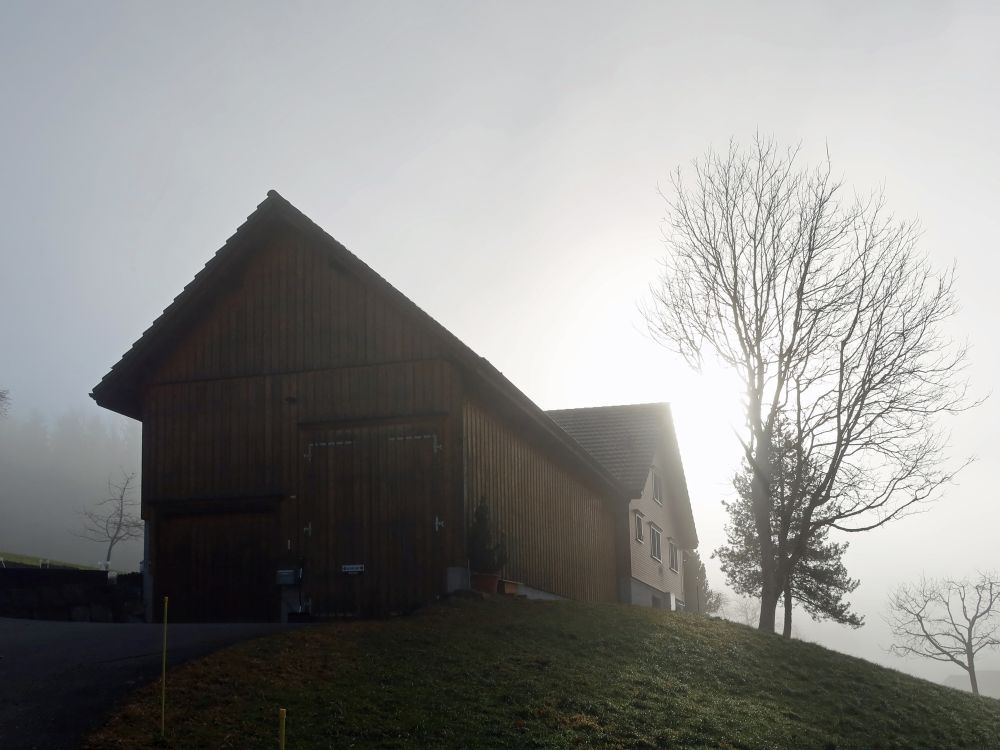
<point>34,562</point>
<point>513,673</point>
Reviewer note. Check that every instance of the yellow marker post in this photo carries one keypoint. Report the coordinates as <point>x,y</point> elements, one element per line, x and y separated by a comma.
<point>163,680</point>
<point>281,729</point>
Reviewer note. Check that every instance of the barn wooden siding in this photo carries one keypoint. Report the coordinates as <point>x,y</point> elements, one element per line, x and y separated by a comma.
<point>293,347</point>
<point>293,356</point>
<point>560,531</point>
<point>239,436</point>
<point>289,307</point>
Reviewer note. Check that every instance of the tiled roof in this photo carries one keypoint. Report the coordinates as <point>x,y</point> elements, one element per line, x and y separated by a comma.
<point>622,438</point>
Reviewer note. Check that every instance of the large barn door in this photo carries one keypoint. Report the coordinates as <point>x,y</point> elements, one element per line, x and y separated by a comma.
<point>217,567</point>
<point>374,533</point>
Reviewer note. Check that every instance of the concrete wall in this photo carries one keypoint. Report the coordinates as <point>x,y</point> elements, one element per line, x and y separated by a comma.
<point>646,596</point>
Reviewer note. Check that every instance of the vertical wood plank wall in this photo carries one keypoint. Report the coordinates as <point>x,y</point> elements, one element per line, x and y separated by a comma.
<point>560,532</point>
<point>292,341</point>
<point>289,308</point>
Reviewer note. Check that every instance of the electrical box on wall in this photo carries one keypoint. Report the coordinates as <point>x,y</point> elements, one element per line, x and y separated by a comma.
<point>287,577</point>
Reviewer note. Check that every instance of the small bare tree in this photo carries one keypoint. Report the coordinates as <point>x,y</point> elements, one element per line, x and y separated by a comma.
<point>948,620</point>
<point>821,303</point>
<point>114,519</point>
<point>742,609</point>
<point>4,401</point>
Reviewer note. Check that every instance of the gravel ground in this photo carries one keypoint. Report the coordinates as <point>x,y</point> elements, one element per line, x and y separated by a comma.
<point>59,679</point>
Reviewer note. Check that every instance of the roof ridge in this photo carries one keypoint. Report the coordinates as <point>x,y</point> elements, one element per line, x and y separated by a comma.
<point>612,406</point>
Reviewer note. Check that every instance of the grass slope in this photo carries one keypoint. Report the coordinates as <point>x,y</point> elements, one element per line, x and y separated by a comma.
<point>512,673</point>
<point>35,562</point>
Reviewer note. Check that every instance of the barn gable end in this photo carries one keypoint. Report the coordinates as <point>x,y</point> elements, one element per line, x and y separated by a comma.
<point>301,415</point>
<point>288,306</point>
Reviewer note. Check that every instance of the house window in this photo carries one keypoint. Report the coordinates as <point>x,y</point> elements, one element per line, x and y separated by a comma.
<point>657,488</point>
<point>654,542</point>
<point>638,527</point>
<point>672,552</point>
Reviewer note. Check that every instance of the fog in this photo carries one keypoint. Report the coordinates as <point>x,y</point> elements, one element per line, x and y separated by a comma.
<point>499,164</point>
<point>51,472</point>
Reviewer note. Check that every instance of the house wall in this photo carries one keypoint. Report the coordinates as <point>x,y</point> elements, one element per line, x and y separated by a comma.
<point>644,595</point>
<point>560,532</point>
<point>656,574</point>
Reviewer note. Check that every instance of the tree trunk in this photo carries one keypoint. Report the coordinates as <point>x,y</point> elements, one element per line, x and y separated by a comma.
<point>972,674</point>
<point>760,491</point>
<point>769,595</point>
<point>787,631</point>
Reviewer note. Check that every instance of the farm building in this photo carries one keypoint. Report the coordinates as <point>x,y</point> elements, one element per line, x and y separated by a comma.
<point>637,444</point>
<point>314,442</point>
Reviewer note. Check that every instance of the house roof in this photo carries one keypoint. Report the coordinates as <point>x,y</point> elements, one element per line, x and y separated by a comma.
<point>625,440</point>
<point>120,389</point>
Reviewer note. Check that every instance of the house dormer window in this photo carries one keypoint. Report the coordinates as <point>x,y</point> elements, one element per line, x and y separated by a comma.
<point>654,541</point>
<point>638,527</point>
<point>657,488</point>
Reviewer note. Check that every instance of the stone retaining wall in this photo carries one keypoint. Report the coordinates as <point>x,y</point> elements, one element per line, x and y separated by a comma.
<point>68,594</point>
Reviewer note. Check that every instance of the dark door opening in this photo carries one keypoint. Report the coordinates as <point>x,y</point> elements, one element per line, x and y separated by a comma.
<point>217,567</point>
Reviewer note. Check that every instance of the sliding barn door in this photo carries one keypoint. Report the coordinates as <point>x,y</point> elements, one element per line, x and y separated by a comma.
<point>374,520</point>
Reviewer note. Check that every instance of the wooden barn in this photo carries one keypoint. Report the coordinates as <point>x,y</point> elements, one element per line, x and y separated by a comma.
<point>313,441</point>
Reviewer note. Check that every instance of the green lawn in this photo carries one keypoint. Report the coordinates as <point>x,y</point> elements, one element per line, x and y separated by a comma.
<point>10,557</point>
<point>513,673</point>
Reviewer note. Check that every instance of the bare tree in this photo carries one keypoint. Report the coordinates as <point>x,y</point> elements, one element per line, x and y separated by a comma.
<point>822,305</point>
<point>114,519</point>
<point>4,401</point>
<point>742,609</point>
<point>947,620</point>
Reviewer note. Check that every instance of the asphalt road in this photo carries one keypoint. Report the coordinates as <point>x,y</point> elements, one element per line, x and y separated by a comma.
<point>60,679</point>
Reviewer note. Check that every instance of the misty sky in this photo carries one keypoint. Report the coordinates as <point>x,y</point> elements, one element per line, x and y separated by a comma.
<point>499,164</point>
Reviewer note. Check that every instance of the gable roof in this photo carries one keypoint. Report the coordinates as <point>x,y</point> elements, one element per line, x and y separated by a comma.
<point>120,389</point>
<point>625,440</point>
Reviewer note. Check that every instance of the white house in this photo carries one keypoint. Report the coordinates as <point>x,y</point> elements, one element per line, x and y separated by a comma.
<point>638,446</point>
